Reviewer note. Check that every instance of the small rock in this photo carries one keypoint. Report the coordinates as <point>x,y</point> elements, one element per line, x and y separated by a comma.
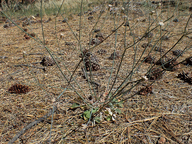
<point>70,17</point>
<point>48,20</point>
<point>145,45</point>
<point>85,12</point>
<point>126,24</point>
<point>97,30</point>
<point>113,30</point>
<point>148,35</point>
<point>25,30</point>
<point>63,30</point>
<point>25,23</point>
<point>95,41</point>
<point>162,140</point>
<point>80,14</point>
<point>159,49</point>
<point>32,22</point>
<point>3,57</point>
<point>190,8</point>
<point>7,21</point>
<point>149,59</point>
<point>165,38</point>
<point>91,12</point>
<point>176,20</point>
<point>32,34</point>
<point>143,20</point>
<point>114,55</point>
<point>189,60</point>
<point>177,52</point>
<point>102,11</point>
<point>47,61</point>
<point>6,26</point>
<point>37,15</point>
<point>90,4</point>
<point>90,17</point>
<point>99,35</point>
<point>68,43</point>
<point>65,20</point>
<point>27,37</point>
<point>24,18</point>
<point>101,51</point>
<point>38,21</point>
<point>62,36</point>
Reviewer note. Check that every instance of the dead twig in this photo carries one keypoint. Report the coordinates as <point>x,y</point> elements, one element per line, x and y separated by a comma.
<point>36,54</point>
<point>19,65</point>
<point>3,57</point>
<point>85,75</point>
<point>92,49</point>
<point>31,125</point>
<point>166,128</point>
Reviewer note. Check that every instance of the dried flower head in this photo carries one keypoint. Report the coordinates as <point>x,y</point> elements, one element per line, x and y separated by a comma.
<point>161,23</point>
<point>152,12</point>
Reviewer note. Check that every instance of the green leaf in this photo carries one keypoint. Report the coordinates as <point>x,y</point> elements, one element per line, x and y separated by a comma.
<point>120,104</point>
<point>118,111</point>
<point>114,100</point>
<point>75,105</point>
<point>95,110</point>
<point>109,118</point>
<point>87,114</point>
<point>110,104</point>
<point>97,119</point>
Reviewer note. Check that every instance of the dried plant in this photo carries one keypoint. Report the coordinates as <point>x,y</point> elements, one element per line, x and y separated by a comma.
<point>112,75</point>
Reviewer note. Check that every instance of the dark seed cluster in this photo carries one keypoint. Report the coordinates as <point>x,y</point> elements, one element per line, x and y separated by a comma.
<point>149,59</point>
<point>184,76</point>
<point>189,60</point>
<point>145,90</point>
<point>177,52</point>
<point>18,89</point>
<point>155,74</point>
<point>169,63</point>
<point>90,60</point>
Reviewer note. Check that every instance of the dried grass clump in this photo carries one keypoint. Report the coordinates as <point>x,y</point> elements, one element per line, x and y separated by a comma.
<point>19,89</point>
<point>91,61</point>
